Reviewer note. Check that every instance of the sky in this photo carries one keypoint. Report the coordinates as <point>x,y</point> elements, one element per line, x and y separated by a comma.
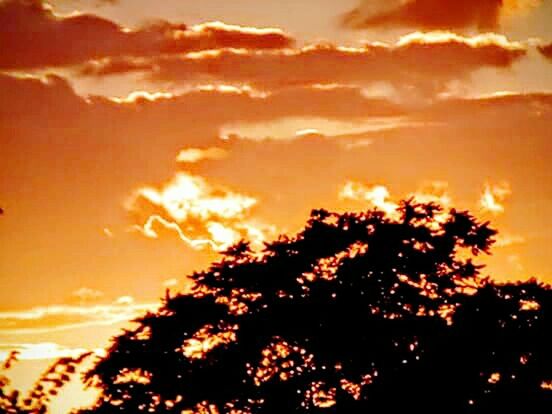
<point>140,139</point>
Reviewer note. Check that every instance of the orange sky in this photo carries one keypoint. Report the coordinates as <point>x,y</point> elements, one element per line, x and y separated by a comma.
<point>138,141</point>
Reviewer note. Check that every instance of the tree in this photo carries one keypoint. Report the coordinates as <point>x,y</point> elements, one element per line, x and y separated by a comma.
<point>358,313</point>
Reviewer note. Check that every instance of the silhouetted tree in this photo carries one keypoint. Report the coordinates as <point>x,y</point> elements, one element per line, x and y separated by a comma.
<point>359,313</point>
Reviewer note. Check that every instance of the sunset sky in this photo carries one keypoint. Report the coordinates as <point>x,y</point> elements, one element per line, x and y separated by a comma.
<point>138,139</point>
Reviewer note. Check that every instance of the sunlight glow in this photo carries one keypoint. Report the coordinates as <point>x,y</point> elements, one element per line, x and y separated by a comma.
<point>191,196</point>
<point>193,155</point>
<point>492,199</point>
<point>213,216</point>
<point>437,37</point>
<point>205,340</point>
<point>377,195</point>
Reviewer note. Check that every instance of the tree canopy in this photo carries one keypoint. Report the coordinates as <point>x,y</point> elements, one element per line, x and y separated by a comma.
<point>358,313</point>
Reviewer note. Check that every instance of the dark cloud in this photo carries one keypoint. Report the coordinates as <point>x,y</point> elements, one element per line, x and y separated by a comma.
<point>507,108</point>
<point>44,95</point>
<point>423,61</point>
<point>30,101</point>
<point>33,36</point>
<point>42,114</point>
<point>432,14</point>
<point>546,50</point>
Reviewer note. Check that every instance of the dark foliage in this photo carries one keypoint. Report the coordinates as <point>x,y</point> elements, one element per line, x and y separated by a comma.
<point>359,313</point>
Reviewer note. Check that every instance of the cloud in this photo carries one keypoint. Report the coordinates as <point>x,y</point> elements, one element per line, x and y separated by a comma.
<point>108,232</point>
<point>524,111</point>
<point>201,213</point>
<point>124,300</point>
<point>492,200</point>
<point>507,240</point>
<point>171,283</point>
<point>216,35</point>
<point>308,132</point>
<point>433,192</point>
<point>546,50</point>
<point>483,15</point>
<point>33,36</point>
<point>425,61</point>
<point>43,350</point>
<point>377,195</point>
<point>46,108</point>
<point>85,294</point>
<point>116,66</point>
<point>493,197</point>
<point>148,230</point>
<point>350,134</point>
<point>52,100</point>
<point>194,155</point>
<point>358,143</point>
<point>191,197</point>
<point>44,94</point>
<point>68,317</point>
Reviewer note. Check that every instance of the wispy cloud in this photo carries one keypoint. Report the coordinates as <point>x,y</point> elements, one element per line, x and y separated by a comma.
<point>33,36</point>
<point>67,317</point>
<point>191,197</point>
<point>43,350</point>
<point>377,195</point>
<point>148,230</point>
<point>433,192</point>
<point>85,294</point>
<point>380,197</point>
<point>194,155</point>
<point>493,197</point>
<point>507,240</point>
<point>170,283</point>
<point>201,213</point>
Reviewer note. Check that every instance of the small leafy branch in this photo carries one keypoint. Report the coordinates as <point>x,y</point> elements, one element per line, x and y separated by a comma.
<point>37,400</point>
